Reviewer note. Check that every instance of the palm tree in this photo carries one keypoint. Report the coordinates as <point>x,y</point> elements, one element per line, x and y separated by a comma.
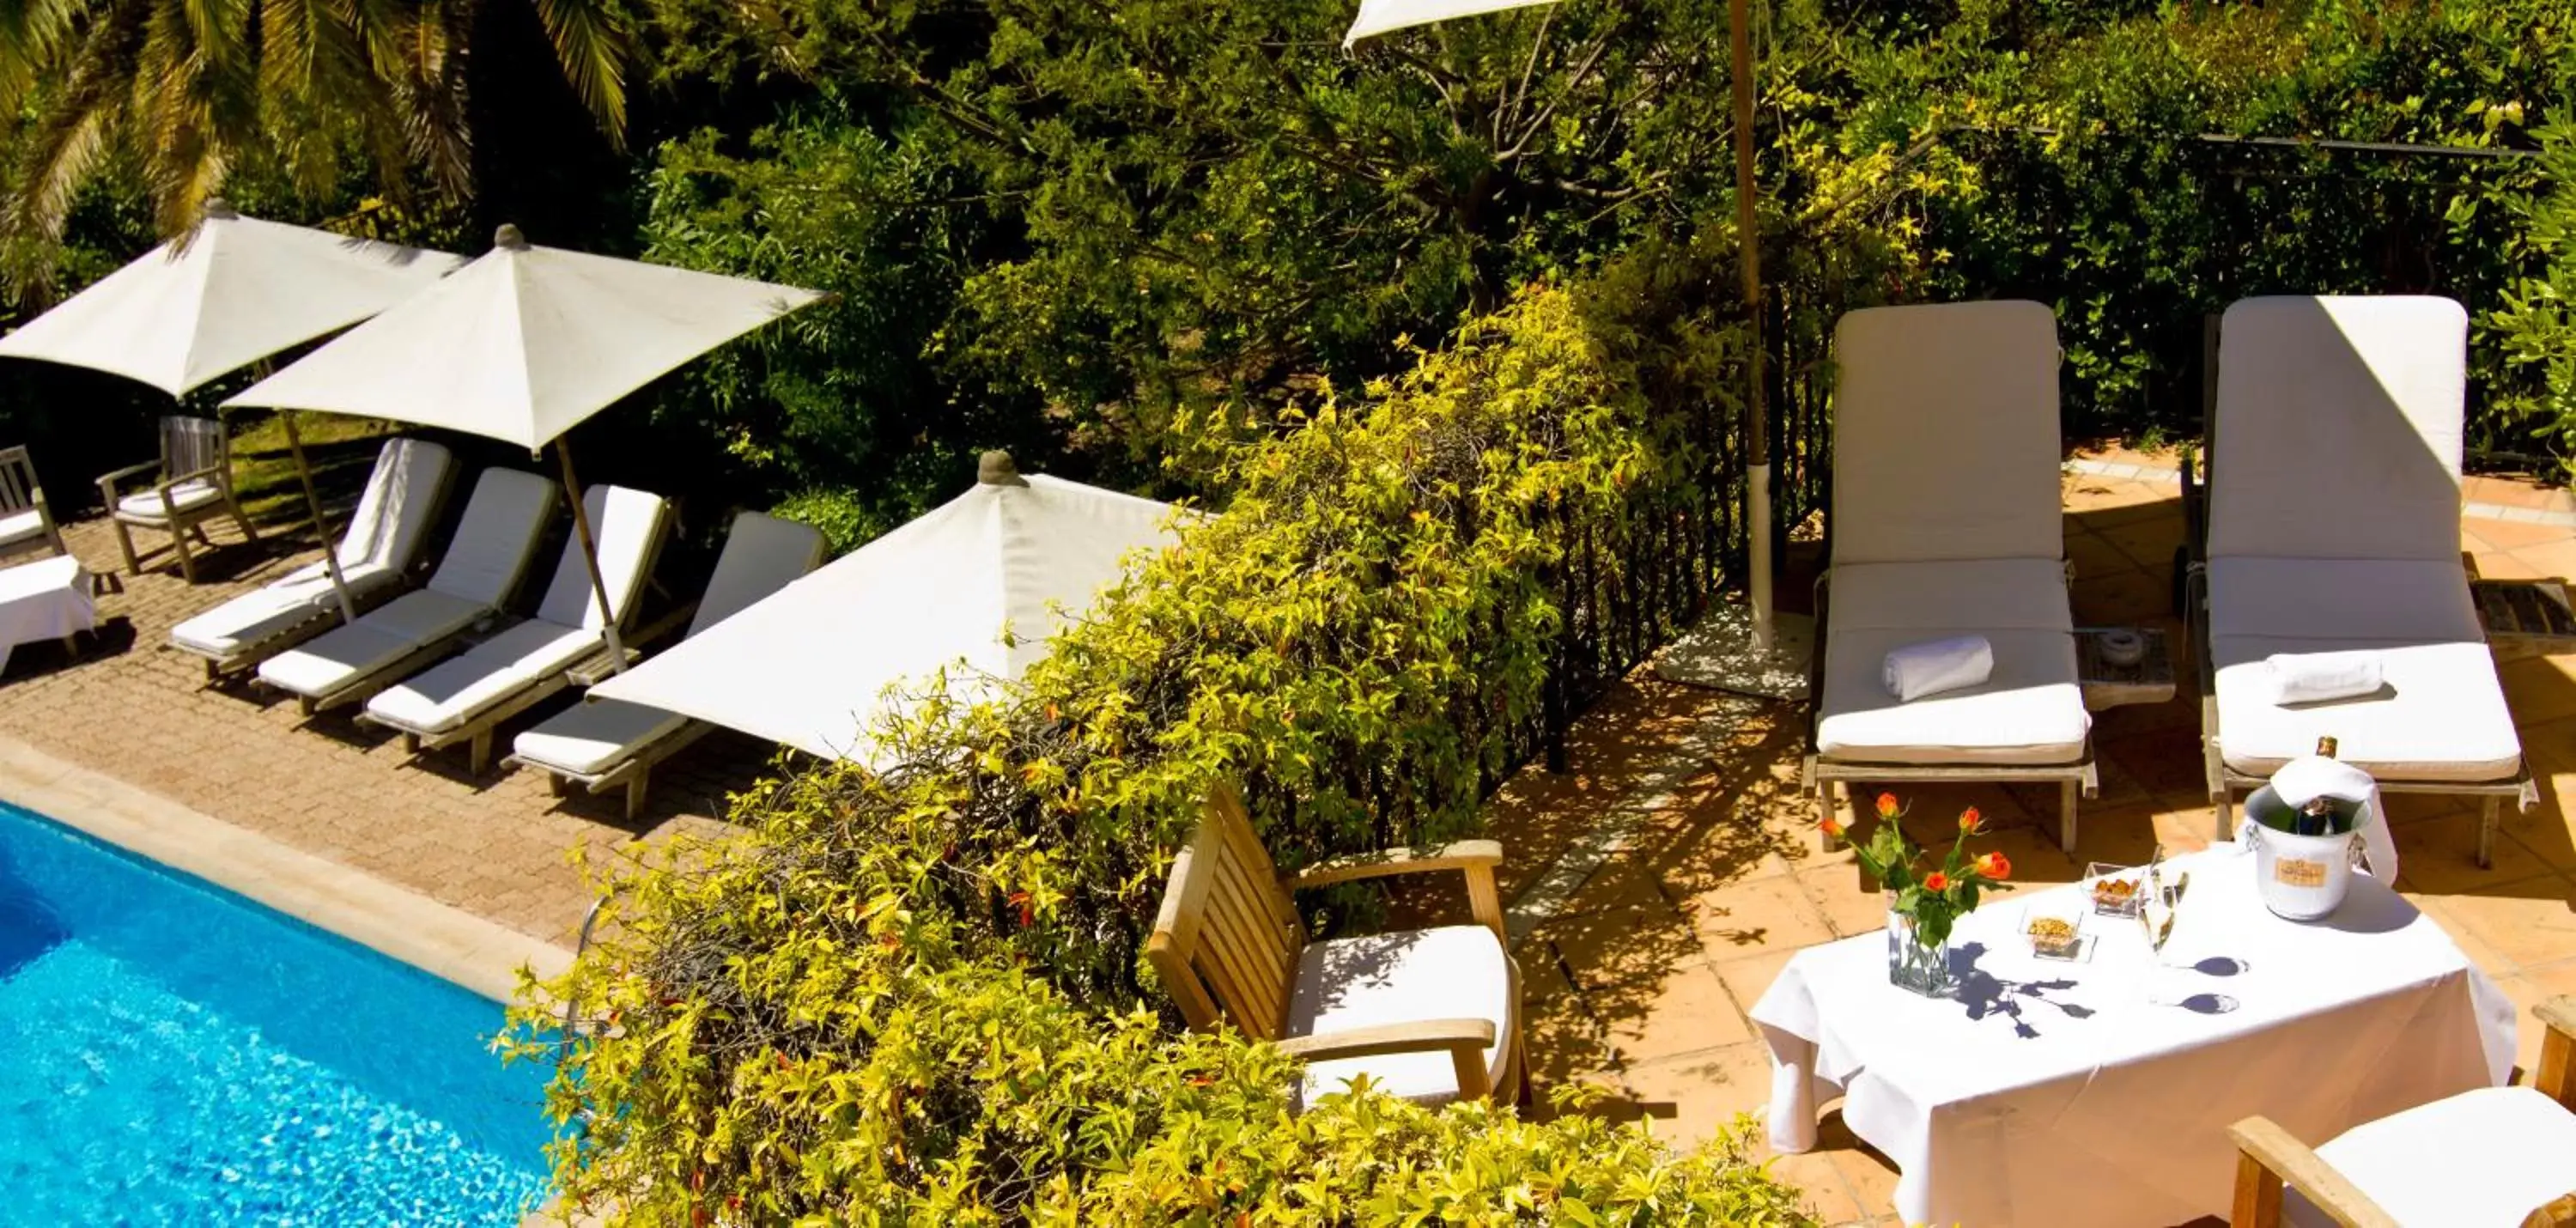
<point>182,90</point>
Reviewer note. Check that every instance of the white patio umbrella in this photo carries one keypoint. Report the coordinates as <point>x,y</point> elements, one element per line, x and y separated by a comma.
<point>1747,659</point>
<point>522,345</point>
<point>975,587</point>
<point>230,293</point>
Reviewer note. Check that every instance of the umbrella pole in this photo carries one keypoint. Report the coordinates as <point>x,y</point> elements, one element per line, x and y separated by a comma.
<point>1748,234</point>
<point>590,556</point>
<point>321,523</point>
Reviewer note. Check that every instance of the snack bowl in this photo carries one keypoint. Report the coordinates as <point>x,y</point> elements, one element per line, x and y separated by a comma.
<point>2055,929</point>
<point>2114,891</point>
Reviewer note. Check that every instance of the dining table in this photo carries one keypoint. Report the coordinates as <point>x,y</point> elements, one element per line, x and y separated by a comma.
<point>2098,1090</point>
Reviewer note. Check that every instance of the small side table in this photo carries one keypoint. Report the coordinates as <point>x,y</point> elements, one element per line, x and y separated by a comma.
<point>2149,680</point>
<point>52,599</point>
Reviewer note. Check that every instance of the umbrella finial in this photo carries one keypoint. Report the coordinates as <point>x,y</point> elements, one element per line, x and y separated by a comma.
<point>218,207</point>
<point>996,469</point>
<point>509,238</point>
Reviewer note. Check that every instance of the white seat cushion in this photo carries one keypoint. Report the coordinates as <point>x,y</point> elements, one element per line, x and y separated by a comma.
<point>1452,972</point>
<point>2029,713</point>
<point>21,526</point>
<point>263,613</point>
<point>452,693</point>
<point>2440,716</point>
<point>2395,599</point>
<point>344,655</point>
<point>592,739</point>
<point>2481,1159</point>
<point>186,497</point>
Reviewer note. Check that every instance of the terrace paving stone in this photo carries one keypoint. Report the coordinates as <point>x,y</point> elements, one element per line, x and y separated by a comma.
<point>1744,882</point>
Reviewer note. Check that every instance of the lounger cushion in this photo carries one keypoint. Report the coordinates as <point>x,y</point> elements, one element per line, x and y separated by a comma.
<point>2481,1159</point>
<point>2440,717</point>
<point>2339,429</point>
<point>2030,712</point>
<point>2000,594</point>
<point>1451,972</point>
<point>343,655</point>
<point>20,526</point>
<point>185,497</point>
<point>297,597</point>
<point>628,528</point>
<point>495,537</point>
<point>591,739</point>
<point>450,694</point>
<point>1946,433</point>
<point>2393,599</point>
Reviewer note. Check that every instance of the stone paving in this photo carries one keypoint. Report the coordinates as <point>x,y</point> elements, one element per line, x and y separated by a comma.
<point>1640,983</point>
<point>132,707</point>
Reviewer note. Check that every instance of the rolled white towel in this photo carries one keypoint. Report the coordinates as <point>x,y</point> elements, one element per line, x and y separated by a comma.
<point>2311,677</point>
<point>1933,666</point>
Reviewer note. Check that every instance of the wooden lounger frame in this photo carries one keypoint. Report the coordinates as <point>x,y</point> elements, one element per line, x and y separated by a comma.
<point>634,773</point>
<point>2192,589</point>
<point>1820,775</point>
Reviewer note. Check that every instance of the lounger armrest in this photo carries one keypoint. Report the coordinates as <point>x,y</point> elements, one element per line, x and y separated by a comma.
<point>2556,1075</point>
<point>2268,1155</point>
<point>1464,854</point>
<point>211,473</point>
<point>1465,1040</point>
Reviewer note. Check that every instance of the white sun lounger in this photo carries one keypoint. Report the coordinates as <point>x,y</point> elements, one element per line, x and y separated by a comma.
<point>464,699</point>
<point>604,743</point>
<point>379,549</point>
<point>1946,523</point>
<point>494,542</point>
<point>2333,525</point>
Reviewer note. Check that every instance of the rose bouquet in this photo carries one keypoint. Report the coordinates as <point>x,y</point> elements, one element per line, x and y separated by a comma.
<point>1924,903</point>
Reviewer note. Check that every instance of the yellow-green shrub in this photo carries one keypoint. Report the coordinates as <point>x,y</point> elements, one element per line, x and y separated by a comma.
<point>915,995</point>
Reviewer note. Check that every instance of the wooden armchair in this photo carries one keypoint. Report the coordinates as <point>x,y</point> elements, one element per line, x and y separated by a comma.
<point>26,520</point>
<point>2502,1156</point>
<point>193,484</point>
<point>1431,1015</point>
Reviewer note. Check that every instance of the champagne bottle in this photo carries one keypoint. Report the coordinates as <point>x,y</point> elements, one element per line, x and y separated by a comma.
<point>2319,817</point>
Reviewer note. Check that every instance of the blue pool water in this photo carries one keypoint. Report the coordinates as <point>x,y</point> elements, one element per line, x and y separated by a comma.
<point>171,1053</point>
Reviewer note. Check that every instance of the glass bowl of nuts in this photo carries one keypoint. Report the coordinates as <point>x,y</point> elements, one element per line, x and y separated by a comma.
<point>2116,891</point>
<point>2055,929</point>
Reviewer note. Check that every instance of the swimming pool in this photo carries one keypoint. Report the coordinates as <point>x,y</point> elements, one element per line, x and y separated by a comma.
<point>172,1053</point>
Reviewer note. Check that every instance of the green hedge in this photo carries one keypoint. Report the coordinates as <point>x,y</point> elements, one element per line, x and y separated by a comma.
<point>916,995</point>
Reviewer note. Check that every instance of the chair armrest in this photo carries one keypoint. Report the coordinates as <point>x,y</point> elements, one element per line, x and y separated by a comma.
<point>107,481</point>
<point>1465,1040</point>
<point>2556,1075</point>
<point>216,473</point>
<point>1387,862</point>
<point>2267,1155</point>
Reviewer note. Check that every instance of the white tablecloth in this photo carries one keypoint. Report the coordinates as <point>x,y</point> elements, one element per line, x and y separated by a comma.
<point>44,600</point>
<point>2100,1092</point>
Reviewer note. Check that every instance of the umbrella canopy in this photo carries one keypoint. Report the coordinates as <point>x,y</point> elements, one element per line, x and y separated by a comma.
<point>235,291</point>
<point>1380,16</point>
<point>810,666</point>
<point>526,342</point>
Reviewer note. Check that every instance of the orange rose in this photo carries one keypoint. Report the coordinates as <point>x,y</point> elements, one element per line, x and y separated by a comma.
<point>1936,881</point>
<point>1994,866</point>
<point>1887,806</point>
<point>1971,822</point>
<point>1831,826</point>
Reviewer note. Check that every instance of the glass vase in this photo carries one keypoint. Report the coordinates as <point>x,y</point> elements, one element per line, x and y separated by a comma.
<point>1913,965</point>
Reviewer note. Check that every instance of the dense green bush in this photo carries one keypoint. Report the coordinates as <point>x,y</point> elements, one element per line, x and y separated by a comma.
<point>917,994</point>
<point>2534,330</point>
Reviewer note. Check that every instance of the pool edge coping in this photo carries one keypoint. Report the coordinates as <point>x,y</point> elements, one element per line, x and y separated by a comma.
<point>475,953</point>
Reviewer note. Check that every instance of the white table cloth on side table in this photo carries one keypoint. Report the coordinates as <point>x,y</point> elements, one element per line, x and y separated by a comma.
<point>46,600</point>
<point>2100,1092</point>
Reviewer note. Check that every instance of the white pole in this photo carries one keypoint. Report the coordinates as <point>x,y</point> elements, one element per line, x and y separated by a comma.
<point>1748,237</point>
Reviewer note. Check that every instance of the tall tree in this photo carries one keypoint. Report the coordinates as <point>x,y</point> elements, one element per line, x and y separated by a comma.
<point>183,91</point>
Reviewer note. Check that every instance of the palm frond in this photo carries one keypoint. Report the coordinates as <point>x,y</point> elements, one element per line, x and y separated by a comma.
<point>592,42</point>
